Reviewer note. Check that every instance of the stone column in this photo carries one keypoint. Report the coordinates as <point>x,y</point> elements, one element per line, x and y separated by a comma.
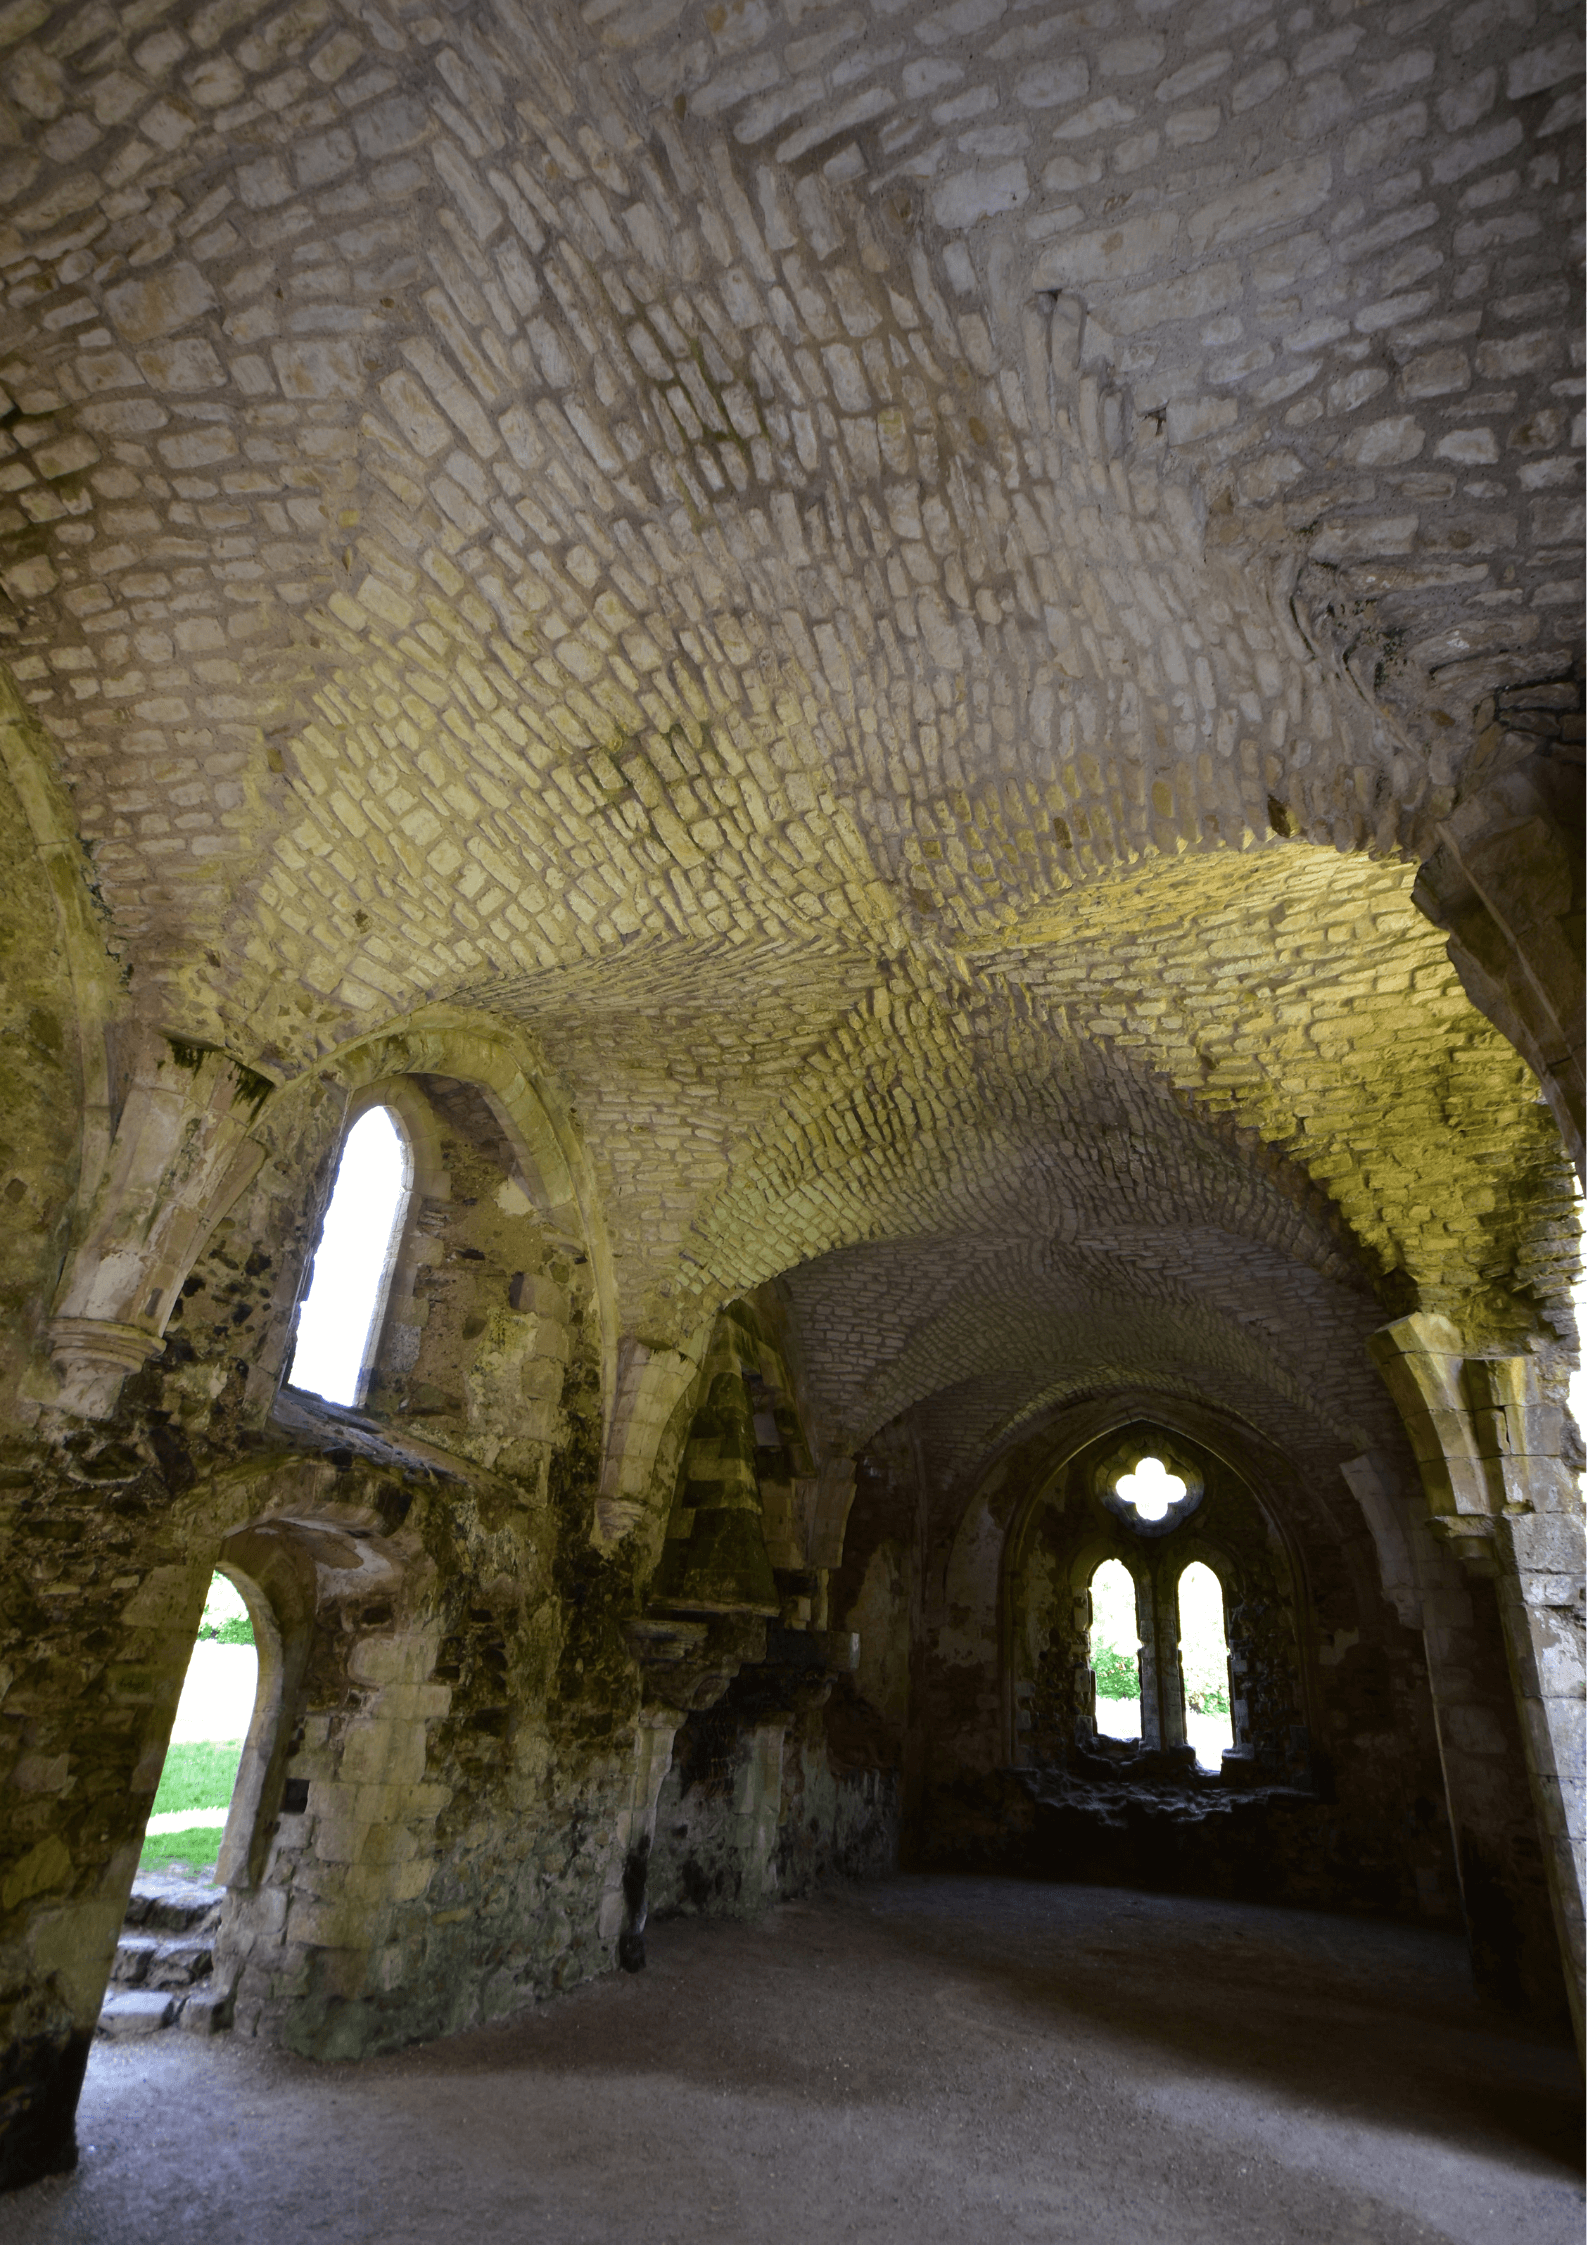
<point>759,1810</point>
<point>1149,1662</point>
<point>625,1902</point>
<point>82,1741</point>
<point>1164,1595</point>
<point>1502,1499</point>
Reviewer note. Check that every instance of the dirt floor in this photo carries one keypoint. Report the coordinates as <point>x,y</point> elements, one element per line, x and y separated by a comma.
<point>941,2060</point>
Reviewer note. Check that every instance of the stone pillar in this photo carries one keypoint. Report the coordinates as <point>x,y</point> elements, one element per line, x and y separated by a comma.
<point>759,1809</point>
<point>82,1741</point>
<point>625,1902</point>
<point>715,1558</point>
<point>364,1845</point>
<point>1502,1498</point>
<point>829,1502</point>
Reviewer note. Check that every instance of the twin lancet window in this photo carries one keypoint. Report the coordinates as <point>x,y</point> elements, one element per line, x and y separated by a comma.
<point>339,1325</point>
<point>1117,1622</point>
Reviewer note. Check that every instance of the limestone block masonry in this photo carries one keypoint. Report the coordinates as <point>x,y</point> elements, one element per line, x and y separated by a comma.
<point>906,678</point>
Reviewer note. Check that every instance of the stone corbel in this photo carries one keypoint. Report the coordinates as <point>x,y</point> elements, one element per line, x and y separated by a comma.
<point>650,1383</point>
<point>180,1157</point>
<point>1488,1442</point>
<point>1473,1542</point>
<point>1423,1362</point>
<point>688,1663</point>
<point>92,1356</point>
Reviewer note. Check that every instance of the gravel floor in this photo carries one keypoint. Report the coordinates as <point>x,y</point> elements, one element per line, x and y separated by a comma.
<point>930,2059</point>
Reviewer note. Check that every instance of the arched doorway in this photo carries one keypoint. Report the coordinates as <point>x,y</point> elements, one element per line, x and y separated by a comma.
<point>203,1820</point>
<point>213,1719</point>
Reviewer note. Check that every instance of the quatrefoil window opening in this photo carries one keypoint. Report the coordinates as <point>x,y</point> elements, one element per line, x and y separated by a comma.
<point>1151,1491</point>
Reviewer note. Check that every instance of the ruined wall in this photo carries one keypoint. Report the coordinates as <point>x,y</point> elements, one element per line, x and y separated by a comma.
<point>838,642</point>
<point>765,1794</point>
<point>1331,1692</point>
<point>434,1839</point>
<point>1056,1549</point>
<point>43,1089</point>
<point>754,1811</point>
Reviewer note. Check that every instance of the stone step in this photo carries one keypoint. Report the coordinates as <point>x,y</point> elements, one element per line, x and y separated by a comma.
<point>135,1952</point>
<point>165,1903</point>
<point>160,1976</point>
<point>205,2012</point>
<point>146,1960</point>
<point>137,2011</point>
<point>178,1991</point>
<point>179,1963</point>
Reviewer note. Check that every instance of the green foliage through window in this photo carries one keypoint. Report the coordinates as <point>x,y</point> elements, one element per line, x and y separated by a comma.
<point>231,1632</point>
<point>1203,1646</point>
<point>1118,1674</point>
<point>225,1619</point>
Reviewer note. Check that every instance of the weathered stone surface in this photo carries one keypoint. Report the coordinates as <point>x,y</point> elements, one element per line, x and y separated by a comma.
<point>136,2011</point>
<point>908,681</point>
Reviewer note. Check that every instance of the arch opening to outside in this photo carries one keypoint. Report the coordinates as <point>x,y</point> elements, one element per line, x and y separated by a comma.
<point>1115,1644</point>
<point>188,1819</point>
<point>340,1321</point>
<point>1204,1665</point>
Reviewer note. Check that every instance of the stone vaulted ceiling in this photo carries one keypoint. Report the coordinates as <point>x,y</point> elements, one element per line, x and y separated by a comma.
<point>902,587</point>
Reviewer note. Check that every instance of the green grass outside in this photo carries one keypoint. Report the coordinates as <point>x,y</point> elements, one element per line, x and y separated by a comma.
<point>197,1774</point>
<point>196,1851</point>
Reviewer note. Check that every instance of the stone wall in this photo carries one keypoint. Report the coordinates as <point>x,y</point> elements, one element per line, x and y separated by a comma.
<point>909,677</point>
<point>1332,1686</point>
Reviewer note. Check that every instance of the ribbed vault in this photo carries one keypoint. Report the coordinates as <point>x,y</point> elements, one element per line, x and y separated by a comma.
<point>903,589</point>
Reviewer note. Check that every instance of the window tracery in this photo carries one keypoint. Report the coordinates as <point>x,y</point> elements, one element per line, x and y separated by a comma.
<point>1151,1490</point>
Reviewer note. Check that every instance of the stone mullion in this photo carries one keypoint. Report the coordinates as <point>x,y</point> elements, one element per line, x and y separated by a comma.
<point>1148,1661</point>
<point>1170,1680</point>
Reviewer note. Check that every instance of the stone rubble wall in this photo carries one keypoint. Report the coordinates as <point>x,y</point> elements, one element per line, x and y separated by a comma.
<point>910,676</point>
